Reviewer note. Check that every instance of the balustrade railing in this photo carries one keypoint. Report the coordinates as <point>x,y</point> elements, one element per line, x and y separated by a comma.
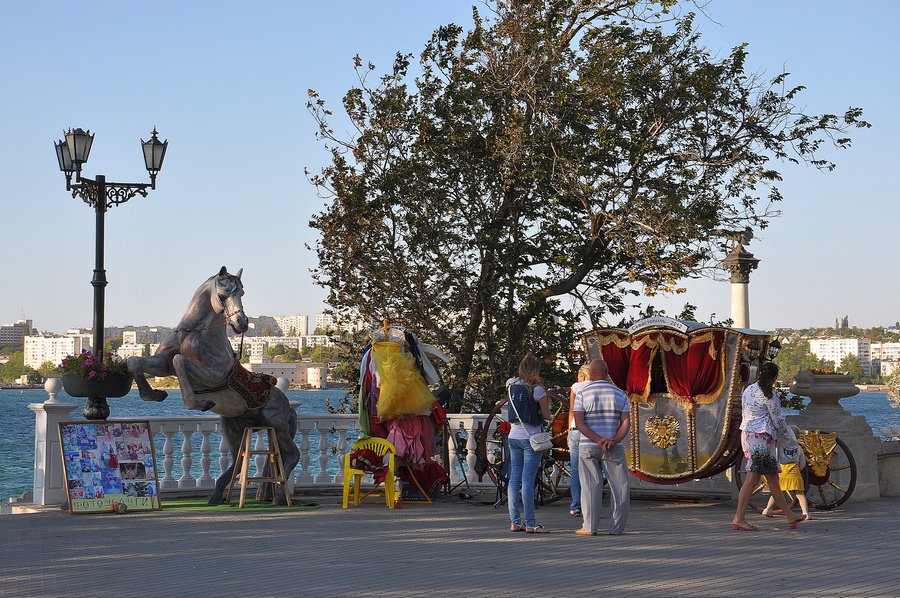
<point>191,452</point>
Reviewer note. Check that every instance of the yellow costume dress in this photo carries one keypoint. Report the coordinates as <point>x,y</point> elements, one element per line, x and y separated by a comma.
<point>402,390</point>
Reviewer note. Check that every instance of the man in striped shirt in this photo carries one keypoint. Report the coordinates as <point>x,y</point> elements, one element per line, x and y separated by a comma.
<point>602,415</point>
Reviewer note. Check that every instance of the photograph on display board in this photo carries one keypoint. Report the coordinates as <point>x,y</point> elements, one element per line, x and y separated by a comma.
<point>107,463</point>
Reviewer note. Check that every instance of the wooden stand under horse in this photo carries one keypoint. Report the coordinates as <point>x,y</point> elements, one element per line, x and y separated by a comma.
<point>212,378</point>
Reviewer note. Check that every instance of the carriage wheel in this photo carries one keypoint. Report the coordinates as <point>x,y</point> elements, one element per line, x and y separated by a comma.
<point>834,487</point>
<point>553,473</point>
<point>823,492</point>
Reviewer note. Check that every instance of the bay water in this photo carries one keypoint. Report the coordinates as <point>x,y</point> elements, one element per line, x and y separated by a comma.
<point>17,424</point>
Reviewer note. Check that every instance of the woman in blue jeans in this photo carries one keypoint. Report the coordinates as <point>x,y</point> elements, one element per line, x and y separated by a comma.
<point>523,461</point>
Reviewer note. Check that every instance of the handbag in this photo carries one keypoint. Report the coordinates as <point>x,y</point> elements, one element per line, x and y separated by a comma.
<point>541,441</point>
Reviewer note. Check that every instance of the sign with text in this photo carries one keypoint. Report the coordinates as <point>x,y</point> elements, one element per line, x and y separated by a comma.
<point>109,462</point>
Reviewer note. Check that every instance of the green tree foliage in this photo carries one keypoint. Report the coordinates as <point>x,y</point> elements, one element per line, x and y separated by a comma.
<point>112,344</point>
<point>15,368</point>
<point>544,169</point>
<point>287,353</point>
<point>795,357</point>
<point>145,351</point>
<point>850,365</point>
<point>48,369</point>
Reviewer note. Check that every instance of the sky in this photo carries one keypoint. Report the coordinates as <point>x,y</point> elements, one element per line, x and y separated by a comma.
<point>226,83</point>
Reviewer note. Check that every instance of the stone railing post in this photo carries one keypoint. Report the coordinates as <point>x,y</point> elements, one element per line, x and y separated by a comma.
<point>49,481</point>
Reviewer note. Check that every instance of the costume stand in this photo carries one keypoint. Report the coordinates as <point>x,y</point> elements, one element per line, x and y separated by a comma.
<point>396,404</point>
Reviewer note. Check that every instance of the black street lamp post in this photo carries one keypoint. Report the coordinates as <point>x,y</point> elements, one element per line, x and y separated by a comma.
<point>72,153</point>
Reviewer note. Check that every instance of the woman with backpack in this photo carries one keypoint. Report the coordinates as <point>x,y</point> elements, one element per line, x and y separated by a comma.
<point>529,410</point>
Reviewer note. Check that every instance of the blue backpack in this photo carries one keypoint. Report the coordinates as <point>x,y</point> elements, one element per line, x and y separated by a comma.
<point>523,398</point>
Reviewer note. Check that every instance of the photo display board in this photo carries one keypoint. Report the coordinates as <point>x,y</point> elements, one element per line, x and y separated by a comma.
<point>109,462</point>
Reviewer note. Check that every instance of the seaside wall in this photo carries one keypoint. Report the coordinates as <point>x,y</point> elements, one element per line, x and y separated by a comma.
<point>889,468</point>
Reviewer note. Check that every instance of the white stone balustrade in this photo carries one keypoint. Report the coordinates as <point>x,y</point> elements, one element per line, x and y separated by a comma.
<point>189,446</point>
<point>191,454</point>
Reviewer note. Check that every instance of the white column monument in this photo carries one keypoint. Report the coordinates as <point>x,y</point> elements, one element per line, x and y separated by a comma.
<point>740,263</point>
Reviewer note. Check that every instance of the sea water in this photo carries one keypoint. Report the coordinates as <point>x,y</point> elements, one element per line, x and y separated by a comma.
<point>17,425</point>
<point>17,428</point>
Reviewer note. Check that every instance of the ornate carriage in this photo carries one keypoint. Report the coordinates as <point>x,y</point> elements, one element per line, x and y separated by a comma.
<point>684,382</point>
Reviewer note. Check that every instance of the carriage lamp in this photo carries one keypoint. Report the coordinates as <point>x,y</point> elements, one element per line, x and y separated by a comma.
<point>774,348</point>
<point>754,347</point>
<point>72,153</point>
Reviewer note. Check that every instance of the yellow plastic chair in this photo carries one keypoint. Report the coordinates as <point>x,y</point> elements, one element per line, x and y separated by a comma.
<point>381,447</point>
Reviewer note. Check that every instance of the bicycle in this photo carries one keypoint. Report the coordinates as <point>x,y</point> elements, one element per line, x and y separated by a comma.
<point>551,483</point>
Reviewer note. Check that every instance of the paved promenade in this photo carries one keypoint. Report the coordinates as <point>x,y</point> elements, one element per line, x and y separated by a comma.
<point>455,548</point>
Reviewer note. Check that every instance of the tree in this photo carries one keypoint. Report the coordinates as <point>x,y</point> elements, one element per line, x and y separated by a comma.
<point>795,357</point>
<point>48,369</point>
<point>15,368</point>
<point>112,344</point>
<point>145,351</point>
<point>850,365</point>
<point>543,170</point>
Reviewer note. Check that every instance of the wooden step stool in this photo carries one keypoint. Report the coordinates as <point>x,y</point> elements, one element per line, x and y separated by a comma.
<point>242,463</point>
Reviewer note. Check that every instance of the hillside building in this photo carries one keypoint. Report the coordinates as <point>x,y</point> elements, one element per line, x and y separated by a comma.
<point>836,349</point>
<point>12,334</point>
<point>41,349</point>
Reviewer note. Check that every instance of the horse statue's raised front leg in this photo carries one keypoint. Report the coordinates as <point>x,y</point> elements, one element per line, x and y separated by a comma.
<point>156,365</point>
<point>191,373</point>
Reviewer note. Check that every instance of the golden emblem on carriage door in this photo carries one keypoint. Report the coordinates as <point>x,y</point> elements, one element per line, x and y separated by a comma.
<point>662,431</point>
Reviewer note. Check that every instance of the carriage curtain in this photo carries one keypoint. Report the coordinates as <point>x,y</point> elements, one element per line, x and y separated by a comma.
<point>615,349</point>
<point>693,364</point>
<point>695,371</point>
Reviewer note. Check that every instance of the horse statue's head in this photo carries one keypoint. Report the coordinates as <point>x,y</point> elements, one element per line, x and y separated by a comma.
<point>227,290</point>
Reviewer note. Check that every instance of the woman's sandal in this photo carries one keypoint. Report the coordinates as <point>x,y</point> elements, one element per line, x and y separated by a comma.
<point>537,529</point>
<point>517,527</point>
<point>799,519</point>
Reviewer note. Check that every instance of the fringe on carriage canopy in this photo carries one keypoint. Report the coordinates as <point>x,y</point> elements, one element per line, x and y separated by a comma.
<point>395,402</point>
<point>693,363</point>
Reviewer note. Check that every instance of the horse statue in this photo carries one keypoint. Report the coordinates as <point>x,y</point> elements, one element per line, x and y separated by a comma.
<point>212,378</point>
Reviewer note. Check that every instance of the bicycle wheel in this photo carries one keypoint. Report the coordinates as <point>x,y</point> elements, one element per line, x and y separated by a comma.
<point>552,482</point>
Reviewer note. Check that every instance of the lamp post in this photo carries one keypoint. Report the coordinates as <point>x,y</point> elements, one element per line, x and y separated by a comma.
<point>72,152</point>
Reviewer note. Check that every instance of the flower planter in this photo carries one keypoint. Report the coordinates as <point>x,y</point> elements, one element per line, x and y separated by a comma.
<point>824,390</point>
<point>115,385</point>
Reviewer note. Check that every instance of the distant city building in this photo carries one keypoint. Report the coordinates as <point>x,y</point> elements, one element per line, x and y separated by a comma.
<point>886,351</point>
<point>295,325</point>
<point>255,346</point>
<point>108,332</point>
<point>135,350</point>
<point>886,368</point>
<point>326,322</point>
<point>836,349</point>
<point>301,373</point>
<point>259,326</point>
<point>41,349</point>
<point>138,336</point>
<point>12,334</point>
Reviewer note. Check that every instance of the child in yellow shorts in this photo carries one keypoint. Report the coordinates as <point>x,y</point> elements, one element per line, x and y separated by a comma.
<point>790,477</point>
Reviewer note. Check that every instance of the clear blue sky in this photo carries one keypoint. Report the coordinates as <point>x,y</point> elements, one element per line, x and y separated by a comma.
<point>226,83</point>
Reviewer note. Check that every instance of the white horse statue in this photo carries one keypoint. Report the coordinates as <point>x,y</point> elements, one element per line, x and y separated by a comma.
<point>212,378</point>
